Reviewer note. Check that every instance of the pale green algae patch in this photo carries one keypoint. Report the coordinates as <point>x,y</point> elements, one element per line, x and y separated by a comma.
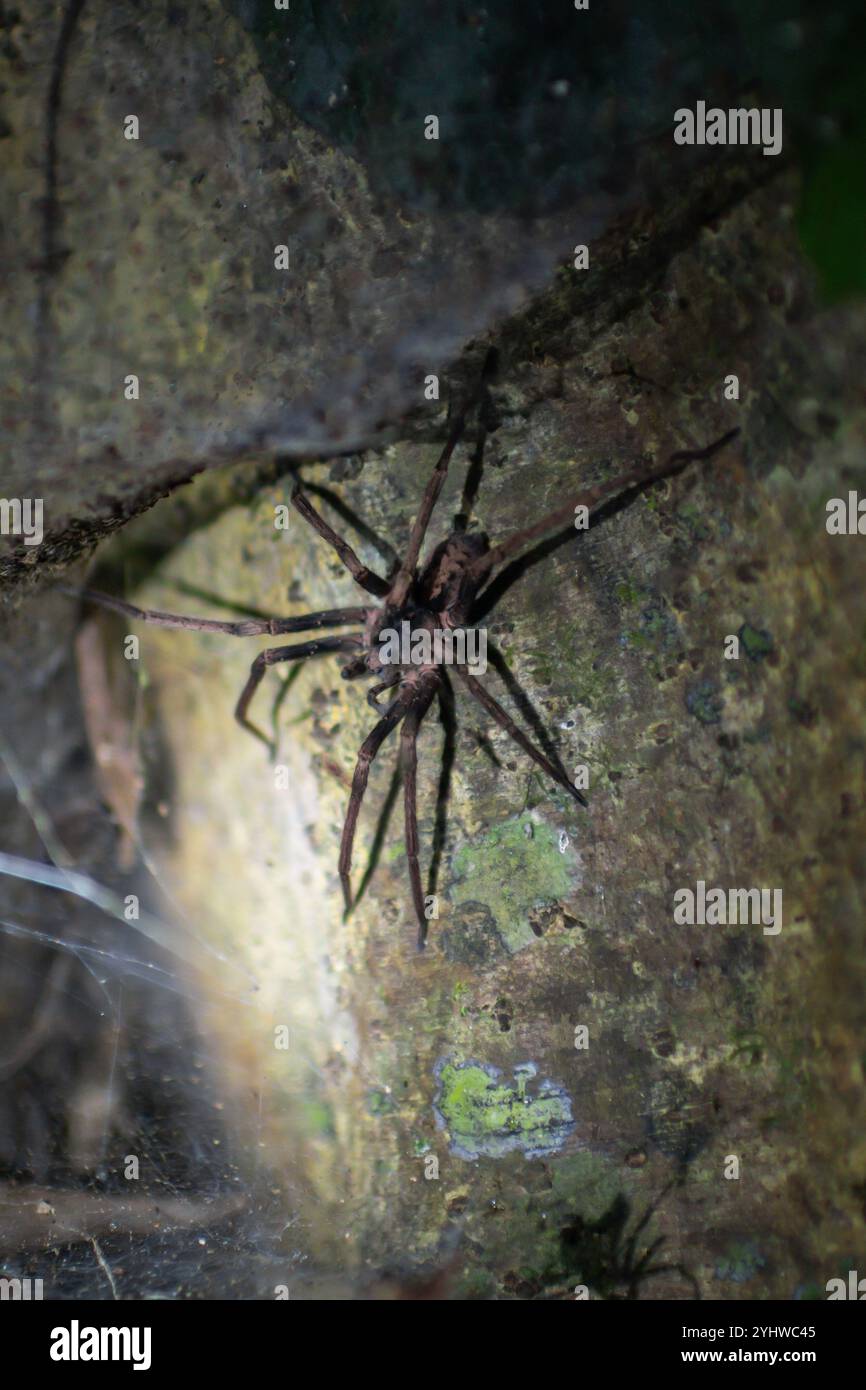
<point>488,1115</point>
<point>511,869</point>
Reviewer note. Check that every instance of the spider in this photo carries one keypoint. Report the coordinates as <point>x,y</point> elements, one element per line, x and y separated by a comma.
<point>445,593</point>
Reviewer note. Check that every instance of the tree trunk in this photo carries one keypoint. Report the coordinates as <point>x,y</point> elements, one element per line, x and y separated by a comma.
<point>498,1112</point>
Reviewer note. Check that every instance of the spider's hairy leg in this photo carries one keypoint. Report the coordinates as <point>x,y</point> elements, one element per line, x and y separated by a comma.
<point>504,720</point>
<point>367,578</point>
<point>409,761</point>
<point>592,498</point>
<point>270,657</point>
<point>448,722</point>
<point>246,627</point>
<point>524,705</point>
<point>376,690</point>
<point>403,579</point>
<point>369,748</point>
<point>358,666</point>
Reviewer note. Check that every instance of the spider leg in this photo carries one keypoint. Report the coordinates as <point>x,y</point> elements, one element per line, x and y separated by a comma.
<point>406,573</point>
<point>372,582</point>
<point>409,760</point>
<point>269,657</point>
<point>350,518</point>
<point>524,705</point>
<point>247,627</point>
<point>378,841</point>
<point>592,498</point>
<point>375,690</point>
<point>449,748</point>
<point>356,667</point>
<point>504,720</point>
<point>369,748</point>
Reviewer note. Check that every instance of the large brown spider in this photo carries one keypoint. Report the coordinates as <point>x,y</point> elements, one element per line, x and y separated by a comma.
<point>446,592</point>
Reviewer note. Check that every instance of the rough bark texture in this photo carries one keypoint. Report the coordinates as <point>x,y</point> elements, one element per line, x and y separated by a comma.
<point>704,1042</point>
<point>156,257</point>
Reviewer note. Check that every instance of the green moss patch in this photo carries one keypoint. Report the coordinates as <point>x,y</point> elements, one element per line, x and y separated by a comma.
<point>511,869</point>
<point>488,1114</point>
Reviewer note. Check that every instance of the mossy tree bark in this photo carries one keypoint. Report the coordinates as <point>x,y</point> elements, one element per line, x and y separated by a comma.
<point>442,1110</point>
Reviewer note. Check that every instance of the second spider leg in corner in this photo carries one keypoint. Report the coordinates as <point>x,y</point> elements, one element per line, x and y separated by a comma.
<point>367,578</point>
<point>299,651</point>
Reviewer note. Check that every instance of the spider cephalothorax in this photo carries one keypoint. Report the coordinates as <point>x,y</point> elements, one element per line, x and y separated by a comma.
<point>439,601</point>
<point>418,601</point>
